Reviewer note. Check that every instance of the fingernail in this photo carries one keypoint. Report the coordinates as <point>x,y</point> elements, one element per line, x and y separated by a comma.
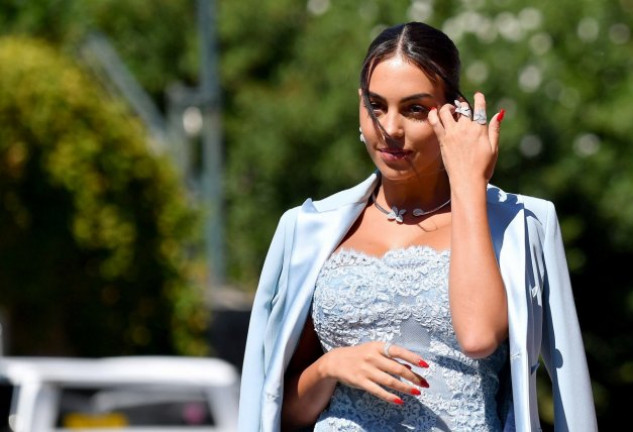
<point>398,401</point>
<point>502,113</point>
<point>423,364</point>
<point>407,366</point>
<point>415,392</point>
<point>433,108</point>
<point>424,383</point>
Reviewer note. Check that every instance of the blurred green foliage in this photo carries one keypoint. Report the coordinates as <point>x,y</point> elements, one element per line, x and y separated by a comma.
<point>289,74</point>
<point>96,231</point>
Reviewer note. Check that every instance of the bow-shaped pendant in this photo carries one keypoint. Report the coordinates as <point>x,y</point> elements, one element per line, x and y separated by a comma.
<point>396,214</point>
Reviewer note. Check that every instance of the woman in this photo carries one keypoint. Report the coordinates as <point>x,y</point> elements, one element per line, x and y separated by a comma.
<point>423,298</point>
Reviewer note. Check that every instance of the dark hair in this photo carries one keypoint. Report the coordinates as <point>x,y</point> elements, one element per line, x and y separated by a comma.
<point>425,46</point>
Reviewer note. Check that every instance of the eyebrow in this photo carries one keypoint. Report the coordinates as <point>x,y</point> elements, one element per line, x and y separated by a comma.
<point>406,99</point>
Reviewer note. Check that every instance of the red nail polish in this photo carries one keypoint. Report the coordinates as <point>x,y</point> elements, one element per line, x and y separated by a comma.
<point>398,401</point>
<point>433,108</point>
<point>502,113</point>
<point>424,383</point>
<point>423,364</point>
<point>415,392</point>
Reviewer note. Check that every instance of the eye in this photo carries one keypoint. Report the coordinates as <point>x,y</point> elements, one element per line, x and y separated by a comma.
<point>417,111</point>
<point>376,106</point>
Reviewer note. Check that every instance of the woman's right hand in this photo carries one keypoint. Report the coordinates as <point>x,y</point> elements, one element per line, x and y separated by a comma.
<point>376,368</point>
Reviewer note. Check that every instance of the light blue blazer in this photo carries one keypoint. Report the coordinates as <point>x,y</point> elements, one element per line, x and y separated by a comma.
<point>541,310</point>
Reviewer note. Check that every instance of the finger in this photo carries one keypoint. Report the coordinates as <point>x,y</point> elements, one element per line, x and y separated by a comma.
<point>378,391</point>
<point>388,387</point>
<point>396,369</point>
<point>436,123</point>
<point>447,114</point>
<point>397,351</point>
<point>479,115</point>
<point>419,379</point>
<point>494,129</point>
<point>393,381</point>
<point>392,364</point>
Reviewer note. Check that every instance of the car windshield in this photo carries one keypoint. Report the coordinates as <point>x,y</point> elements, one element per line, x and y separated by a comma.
<point>110,407</point>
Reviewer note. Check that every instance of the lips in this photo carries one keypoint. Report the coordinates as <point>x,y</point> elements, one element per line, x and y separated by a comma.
<point>394,154</point>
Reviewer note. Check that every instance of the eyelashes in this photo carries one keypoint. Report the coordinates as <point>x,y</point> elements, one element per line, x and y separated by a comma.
<point>414,111</point>
<point>418,112</point>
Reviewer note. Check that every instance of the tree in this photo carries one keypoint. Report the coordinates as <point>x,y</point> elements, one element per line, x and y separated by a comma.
<point>97,232</point>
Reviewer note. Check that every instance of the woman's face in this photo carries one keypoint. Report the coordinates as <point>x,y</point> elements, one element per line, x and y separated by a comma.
<point>401,96</point>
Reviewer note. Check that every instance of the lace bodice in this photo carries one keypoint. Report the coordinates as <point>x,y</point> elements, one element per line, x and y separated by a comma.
<point>402,297</point>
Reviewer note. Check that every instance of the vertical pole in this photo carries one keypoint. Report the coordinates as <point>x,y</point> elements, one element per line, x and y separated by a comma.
<point>212,163</point>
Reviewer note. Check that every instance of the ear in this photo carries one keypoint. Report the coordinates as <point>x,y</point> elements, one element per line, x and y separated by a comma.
<point>360,94</point>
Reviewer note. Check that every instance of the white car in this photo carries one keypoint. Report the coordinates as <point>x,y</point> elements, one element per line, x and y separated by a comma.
<point>123,394</point>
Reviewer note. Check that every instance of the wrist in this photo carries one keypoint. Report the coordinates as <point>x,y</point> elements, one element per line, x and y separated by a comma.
<point>323,365</point>
<point>469,191</point>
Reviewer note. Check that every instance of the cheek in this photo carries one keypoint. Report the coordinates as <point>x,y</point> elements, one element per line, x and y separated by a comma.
<point>367,126</point>
<point>421,132</point>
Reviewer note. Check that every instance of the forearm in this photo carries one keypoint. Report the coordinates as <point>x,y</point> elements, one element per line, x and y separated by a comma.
<point>476,291</point>
<point>306,394</point>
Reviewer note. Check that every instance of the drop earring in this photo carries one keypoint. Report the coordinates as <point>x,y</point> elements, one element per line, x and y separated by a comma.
<point>362,137</point>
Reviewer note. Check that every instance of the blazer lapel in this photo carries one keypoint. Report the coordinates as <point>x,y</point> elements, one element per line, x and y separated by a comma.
<point>320,227</point>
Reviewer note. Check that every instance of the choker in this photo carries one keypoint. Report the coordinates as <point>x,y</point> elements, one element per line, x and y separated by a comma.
<point>397,214</point>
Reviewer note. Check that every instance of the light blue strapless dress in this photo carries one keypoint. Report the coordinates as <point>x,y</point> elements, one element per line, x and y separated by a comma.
<point>402,297</point>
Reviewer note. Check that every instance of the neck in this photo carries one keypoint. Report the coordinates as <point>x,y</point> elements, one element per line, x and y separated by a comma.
<point>399,214</point>
<point>423,193</point>
<point>437,197</point>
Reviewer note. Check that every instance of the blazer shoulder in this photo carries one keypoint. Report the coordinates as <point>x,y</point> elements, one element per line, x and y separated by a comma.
<point>498,196</point>
<point>544,210</point>
<point>353,195</point>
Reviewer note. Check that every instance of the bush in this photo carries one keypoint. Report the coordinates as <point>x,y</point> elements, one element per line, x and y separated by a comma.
<point>90,220</point>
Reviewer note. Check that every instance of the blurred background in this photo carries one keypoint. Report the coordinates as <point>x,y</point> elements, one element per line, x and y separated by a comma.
<point>148,148</point>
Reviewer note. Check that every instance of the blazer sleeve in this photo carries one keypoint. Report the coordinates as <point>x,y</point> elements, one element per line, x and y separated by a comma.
<point>563,350</point>
<point>262,327</point>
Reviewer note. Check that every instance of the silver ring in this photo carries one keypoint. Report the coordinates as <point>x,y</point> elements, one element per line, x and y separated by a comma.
<point>480,116</point>
<point>463,110</point>
<point>385,349</point>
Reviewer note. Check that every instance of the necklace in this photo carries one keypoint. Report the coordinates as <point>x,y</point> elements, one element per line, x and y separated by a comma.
<point>397,214</point>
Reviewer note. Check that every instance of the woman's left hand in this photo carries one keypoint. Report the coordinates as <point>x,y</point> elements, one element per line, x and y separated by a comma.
<point>469,149</point>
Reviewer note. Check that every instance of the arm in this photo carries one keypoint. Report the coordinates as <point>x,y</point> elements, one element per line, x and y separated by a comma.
<point>476,291</point>
<point>477,294</point>
<point>302,405</point>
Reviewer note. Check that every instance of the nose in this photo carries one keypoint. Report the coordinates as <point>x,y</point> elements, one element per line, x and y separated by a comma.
<point>392,123</point>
